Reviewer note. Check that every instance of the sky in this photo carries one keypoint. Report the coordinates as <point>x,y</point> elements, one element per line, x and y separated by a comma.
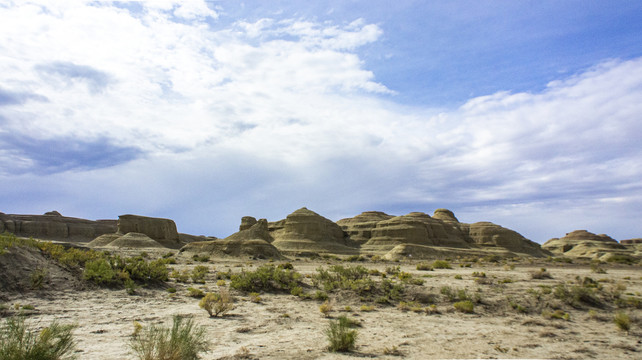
<point>527,114</point>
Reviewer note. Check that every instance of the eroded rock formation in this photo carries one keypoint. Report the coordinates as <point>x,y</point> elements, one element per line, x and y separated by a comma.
<point>584,244</point>
<point>53,226</point>
<point>162,230</point>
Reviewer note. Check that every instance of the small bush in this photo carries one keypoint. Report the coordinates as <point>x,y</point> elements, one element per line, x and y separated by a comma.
<point>367,308</point>
<point>255,297</point>
<point>557,314</point>
<point>17,341</point>
<point>217,303</point>
<point>622,321</point>
<point>38,278</point>
<point>220,283</point>
<point>181,277</point>
<point>458,277</point>
<point>198,274</point>
<point>441,264</point>
<point>265,278</point>
<point>184,341</point>
<point>466,306</point>
<point>195,293</point>
<point>541,274</point>
<point>341,337</point>
<point>325,308</point>
<point>101,272</point>
<point>201,258</point>
<point>424,267</point>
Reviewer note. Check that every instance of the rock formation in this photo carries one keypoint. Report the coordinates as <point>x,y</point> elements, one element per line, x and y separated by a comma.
<point>359,228</point>
<point>162,230</point>
<point>488,234</point>
<point>307,231</point>
<point>252,242</point>
<point>584,244</point>
<point>53,226</point>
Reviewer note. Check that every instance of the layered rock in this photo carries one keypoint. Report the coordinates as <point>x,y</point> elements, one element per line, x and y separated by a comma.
<point>584,244</point>
<point>252,242</point>
<point>307,231</point>
<point>487,234</point>
<point>162,230</point>
<point>360,227</point>
<point>53,226</point>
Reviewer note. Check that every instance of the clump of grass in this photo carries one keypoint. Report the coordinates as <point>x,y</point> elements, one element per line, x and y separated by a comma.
<point>195,293</point>
<point>220,282</point>
<point>201,258</point>
<point>38,277</point>
<point>325,308</point>
<point>18,341</point>
<point>217,303</point>
<point>465,306</point>
<point>557,314</point>
<point>183,341</point>
<point>340,335</point>
<point>181,277</point>
<point>622,321</point>
<point>424,267</point>
<point>367,308</point>
<point>441,264</point>
<point>255,297</point>
<point>541,274</point>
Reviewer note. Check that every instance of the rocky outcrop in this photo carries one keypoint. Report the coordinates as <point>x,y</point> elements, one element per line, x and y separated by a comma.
<point>162,230</point>
<point>584,244</point>
<point>487,234</point>
<point>53,226</point>
<point>252,242</point>
<point>305,230</point>
<point>360,227</point>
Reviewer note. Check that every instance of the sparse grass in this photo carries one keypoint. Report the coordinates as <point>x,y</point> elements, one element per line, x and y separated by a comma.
<point>255,297</point>
<point>340,335</point>
<point>465,306</point>
<point>366,308</point>
<point>18,341</point>
<point>183,341</point>
<point>622,321</point>
<point>557,314</point>
<point>217,303</point>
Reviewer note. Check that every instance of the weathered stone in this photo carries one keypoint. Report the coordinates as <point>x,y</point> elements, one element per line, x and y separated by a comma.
<point>252,242</point>
<point>53,226</point>
<point>445,215</point>
<point>247,222</point>
<point>305,230</point>
<point>162,230</point>
<point>135,241</point>
<point>488,234</point>
<point>360,227</point>
<point>584,244</point>
<point>103,240</point>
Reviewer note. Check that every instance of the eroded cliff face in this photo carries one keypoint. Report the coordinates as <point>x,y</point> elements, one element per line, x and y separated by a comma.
<point>584,244</point>
<point>53,226</point>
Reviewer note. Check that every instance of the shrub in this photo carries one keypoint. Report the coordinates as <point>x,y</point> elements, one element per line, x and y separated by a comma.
<point>441,264</point>
<point>622,321</point>
<point>458,277</point>
<point>255,297</point>
<point>195,293</point>
<point>17,341</point>
<point>541,274</point>
<point>198,274</point>
<point>220,283</point>
<point>181,277</point>
<point>367,308</point>
<point>557,314</point>
<point>38,278</point>
<point>265,278</point>
<point>325,308</point>
<point>341,337</point>
<point>184,341</point>
<point>217,303</point>
<point>201,258</point>
<point>466,306</point>
<point>424,267</point>
<point>101,272</point>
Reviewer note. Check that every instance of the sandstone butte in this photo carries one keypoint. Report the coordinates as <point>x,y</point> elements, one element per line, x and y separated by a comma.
<point>305,233</point>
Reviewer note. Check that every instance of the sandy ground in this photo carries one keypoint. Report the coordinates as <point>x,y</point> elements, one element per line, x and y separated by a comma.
<point>283,326</point>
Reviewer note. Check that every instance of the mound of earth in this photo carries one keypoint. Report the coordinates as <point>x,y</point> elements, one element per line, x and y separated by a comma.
<point>420,252</point>
<point>252,242</point>
<point>21,266</point>
<point>53,226</point>
<point>488,235</point>
<point>135,241</point>
<point>584,244</point>
<point>359,228</point>
<point>103,240</point>
<point>307,231</point>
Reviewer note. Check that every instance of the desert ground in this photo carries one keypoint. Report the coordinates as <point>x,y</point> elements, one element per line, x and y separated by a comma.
<point>511,317</point>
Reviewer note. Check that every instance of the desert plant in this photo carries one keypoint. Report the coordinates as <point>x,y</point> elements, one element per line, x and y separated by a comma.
<point>265,278</point>
<point>195,293</point>
<point>38,277</point>
<point>441,264</point>
<point>199,272</point>
<point>325,308</point>
<point>622,321</point>
<point>465,306</point>
<point>340,335</point>
<point>424,267</point>
<point>179,276</point>
<point>100,272</point>
<point>255,297</point>
<point>541,274</point>
<point>18,341</point>
<point>217,303</point>
<point>367,308</point>
<point>183,341</point>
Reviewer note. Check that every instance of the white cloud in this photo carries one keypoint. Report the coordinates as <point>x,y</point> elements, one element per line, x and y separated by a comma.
<point>281,113</point>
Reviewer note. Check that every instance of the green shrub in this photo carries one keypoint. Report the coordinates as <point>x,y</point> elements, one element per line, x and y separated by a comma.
<point>340,335</point>
<point>441,264</point>
<point>198,274</point>
<point>38,278</point>
<point>17,341</point>
<point>217,303</point>
<point>201,258</point>
<point>622,321</point>
<point>101,272</point>
<point>184,341</point>
<point>181,277</point>
<point>424,267</point>
<point>267,278</point>
<point>466,306</point>
<point>195,293</point>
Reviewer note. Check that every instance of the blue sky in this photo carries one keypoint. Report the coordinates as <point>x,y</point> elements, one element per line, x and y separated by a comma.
<point>523,113</point>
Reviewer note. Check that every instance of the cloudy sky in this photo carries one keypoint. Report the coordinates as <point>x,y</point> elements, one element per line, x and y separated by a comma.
<point>524,113</point>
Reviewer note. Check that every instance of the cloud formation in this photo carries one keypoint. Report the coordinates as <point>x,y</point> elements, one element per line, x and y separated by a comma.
<point>162,110</point>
